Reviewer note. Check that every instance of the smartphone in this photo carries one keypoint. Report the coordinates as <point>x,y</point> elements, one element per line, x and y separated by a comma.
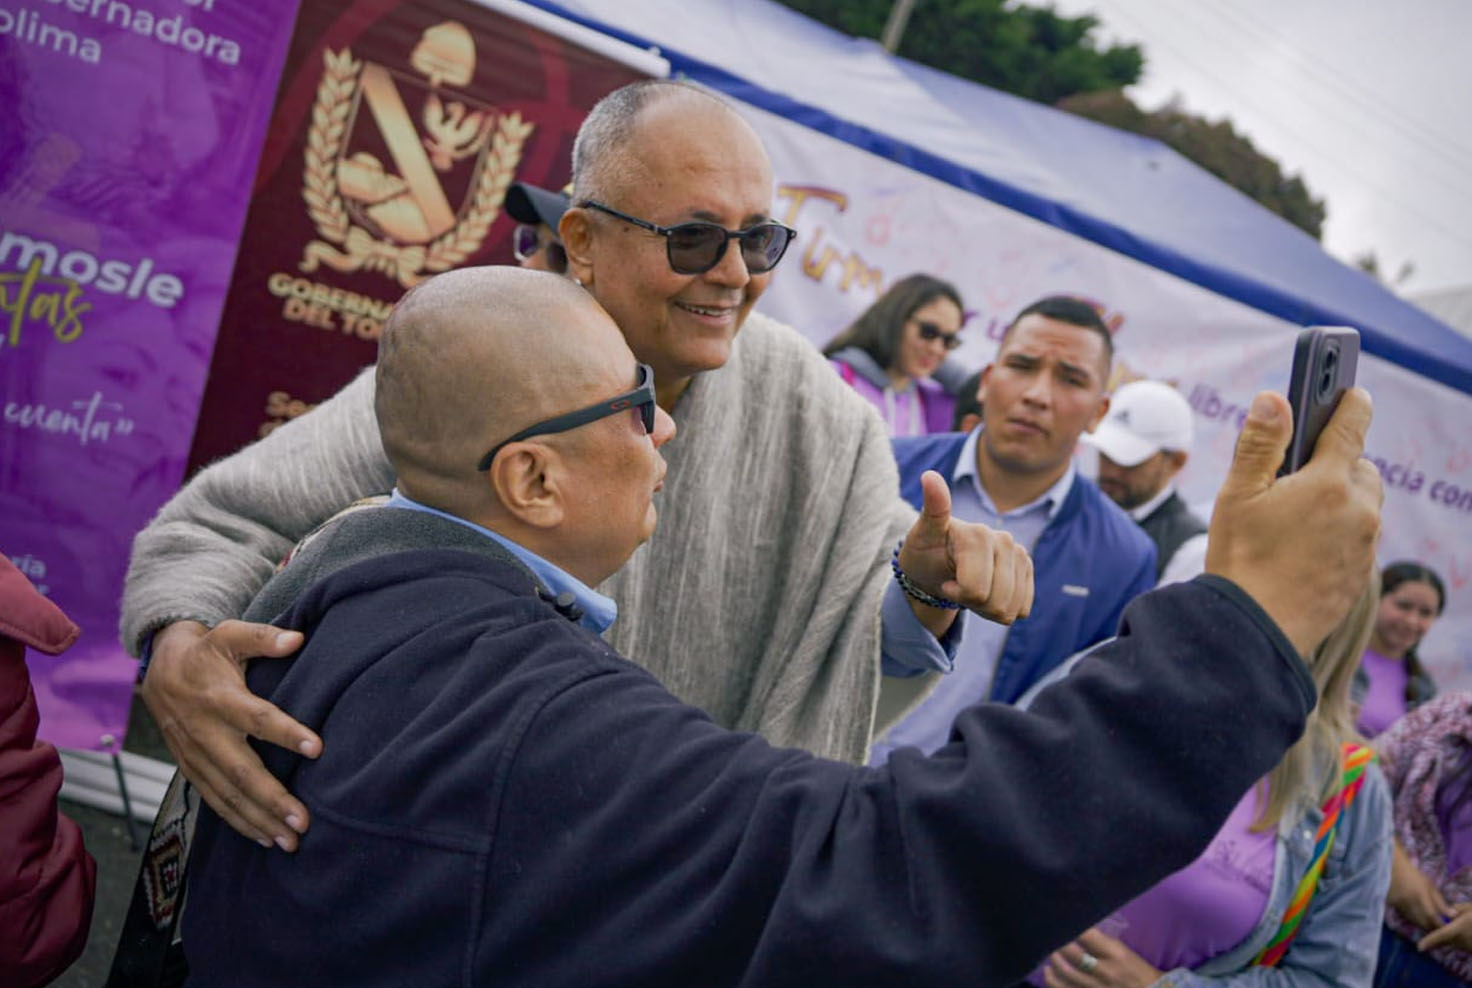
<point>1324,362</point>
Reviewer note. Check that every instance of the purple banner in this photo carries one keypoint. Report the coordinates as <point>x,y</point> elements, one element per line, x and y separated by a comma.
<point>133,129</point>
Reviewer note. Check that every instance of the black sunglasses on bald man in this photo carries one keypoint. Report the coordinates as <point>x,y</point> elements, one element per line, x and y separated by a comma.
<point>695,248</point>
<point>641,398</point>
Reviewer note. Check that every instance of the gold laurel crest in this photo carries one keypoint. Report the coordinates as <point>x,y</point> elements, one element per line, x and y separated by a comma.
<point>490,192</point>
<point>360,249</point>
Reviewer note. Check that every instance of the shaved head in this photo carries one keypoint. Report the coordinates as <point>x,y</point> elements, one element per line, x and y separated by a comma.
<point>475,355</point>
<point>603,160</point>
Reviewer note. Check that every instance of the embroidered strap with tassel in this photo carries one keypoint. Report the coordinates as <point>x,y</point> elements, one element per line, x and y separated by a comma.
<point>1357,758</point>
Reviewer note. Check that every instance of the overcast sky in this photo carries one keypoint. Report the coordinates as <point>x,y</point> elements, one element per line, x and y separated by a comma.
<point>1369,100</point>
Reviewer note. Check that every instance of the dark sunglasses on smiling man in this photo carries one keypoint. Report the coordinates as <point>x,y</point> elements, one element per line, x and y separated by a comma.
<point>930,331</point>
<point>640,399</point>
<point>695,248</point>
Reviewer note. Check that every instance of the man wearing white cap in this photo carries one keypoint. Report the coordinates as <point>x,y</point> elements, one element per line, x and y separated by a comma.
<point>1143,443</point>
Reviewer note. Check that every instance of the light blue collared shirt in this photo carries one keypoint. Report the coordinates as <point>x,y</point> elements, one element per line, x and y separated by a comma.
<point>929,725</point>
<point>599,611</point>
<point>906,647</point>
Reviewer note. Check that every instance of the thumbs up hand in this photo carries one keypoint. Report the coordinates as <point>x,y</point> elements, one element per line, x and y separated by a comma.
<point>978,568</point>
<point>1302,545</point>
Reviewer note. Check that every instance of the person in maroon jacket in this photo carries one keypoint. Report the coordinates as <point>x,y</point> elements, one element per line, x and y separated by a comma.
<point>47,878</point>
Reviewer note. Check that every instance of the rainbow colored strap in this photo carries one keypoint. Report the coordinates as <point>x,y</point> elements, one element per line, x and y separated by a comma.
<point>1357,758</point>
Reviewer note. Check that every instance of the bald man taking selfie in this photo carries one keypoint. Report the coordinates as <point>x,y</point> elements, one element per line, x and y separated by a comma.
<point>503,799</point>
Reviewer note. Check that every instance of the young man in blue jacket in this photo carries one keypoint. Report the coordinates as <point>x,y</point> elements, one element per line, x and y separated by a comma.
<point>1015,472</point>
<point>501,799</point>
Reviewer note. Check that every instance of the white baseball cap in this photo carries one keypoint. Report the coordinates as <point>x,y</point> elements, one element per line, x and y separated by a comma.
<point>1144,418</point>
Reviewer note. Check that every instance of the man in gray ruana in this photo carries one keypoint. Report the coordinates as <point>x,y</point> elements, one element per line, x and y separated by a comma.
<point>766,599</point>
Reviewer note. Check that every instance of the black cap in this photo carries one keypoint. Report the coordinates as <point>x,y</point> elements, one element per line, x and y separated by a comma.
<point>529,204</point>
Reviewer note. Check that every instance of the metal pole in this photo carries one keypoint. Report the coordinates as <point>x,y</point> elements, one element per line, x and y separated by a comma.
<point>899,16</point>
<point>133,841</point>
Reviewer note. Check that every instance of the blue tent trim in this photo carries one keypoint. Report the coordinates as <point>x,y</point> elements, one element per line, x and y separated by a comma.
<point>1453,369</point>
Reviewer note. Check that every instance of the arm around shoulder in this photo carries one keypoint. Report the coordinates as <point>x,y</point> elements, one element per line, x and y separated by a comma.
<point>216,542</point>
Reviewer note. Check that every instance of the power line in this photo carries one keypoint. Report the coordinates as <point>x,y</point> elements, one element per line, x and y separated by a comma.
<point>1335,105</point>
<point>1345,89</point>
<point>1341,163</point>
<point>1345,83</point>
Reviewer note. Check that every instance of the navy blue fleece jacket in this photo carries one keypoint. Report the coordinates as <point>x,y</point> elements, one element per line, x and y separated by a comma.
<point>503,800</point>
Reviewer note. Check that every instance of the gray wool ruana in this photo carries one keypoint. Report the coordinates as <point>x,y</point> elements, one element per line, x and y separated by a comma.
<point>757,599</point>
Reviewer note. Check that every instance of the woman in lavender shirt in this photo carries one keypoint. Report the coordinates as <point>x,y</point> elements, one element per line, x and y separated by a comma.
<point>890,352</point>
<point>1412,597</point>
<point>1207,924</point>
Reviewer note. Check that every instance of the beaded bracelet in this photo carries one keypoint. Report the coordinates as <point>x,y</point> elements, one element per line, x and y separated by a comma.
<point>913,591</point>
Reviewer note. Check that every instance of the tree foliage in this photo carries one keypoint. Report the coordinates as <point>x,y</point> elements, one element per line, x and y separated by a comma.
<point>1369,263</point>
<point>1038,54</point>
<point>1031,51</point>
<point>1215,146</point>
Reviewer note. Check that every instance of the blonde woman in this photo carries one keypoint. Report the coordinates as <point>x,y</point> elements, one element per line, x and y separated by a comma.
<point>1221,920</point>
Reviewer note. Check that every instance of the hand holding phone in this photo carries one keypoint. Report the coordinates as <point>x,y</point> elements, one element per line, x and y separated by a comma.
<point>1324,362</point>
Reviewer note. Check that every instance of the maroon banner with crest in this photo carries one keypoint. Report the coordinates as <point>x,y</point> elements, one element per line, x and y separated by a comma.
<point>397,131</point>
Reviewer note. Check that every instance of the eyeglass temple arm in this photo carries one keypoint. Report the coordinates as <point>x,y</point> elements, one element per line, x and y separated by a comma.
<point>663,231</point>
<point>562,423</point>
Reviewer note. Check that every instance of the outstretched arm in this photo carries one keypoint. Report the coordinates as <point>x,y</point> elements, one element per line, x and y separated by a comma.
<point>965,867</point>
<point>761,867</point>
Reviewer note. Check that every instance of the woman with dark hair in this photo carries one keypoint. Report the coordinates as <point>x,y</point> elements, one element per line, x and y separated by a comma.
<point>1412,597</point>
<point>890,352</point>
<point>1427,939</point>
<point>1427,749</point>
